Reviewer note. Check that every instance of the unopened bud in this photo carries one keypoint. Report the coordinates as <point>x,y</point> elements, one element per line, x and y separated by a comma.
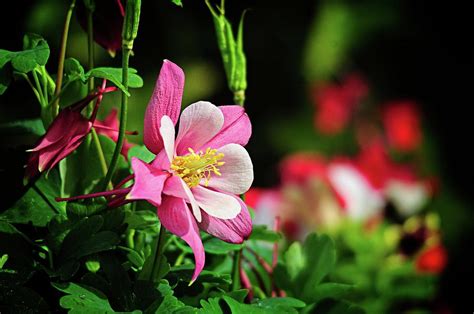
<point>130,25</point>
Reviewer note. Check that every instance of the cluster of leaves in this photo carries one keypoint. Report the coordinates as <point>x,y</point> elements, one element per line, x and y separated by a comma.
<point>85,257</point>
<point>385,280</point>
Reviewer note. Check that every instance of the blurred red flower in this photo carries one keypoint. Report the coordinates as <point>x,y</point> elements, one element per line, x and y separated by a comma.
<point>401,120</point>
<point>335,103</point>
<point>432,260</point>
<point>298,168</point>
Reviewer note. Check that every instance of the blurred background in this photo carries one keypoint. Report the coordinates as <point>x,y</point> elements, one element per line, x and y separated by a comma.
<point>382,88</point>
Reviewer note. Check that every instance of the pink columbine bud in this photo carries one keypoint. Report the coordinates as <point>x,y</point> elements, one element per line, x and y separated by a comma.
<point>64,135</point>
<point>108,17</point>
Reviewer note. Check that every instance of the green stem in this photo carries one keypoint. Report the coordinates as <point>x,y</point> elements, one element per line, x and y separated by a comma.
<point>100,153</point>
<point>38,88</point>
<point>90,51</point>
<point>158,254</point>
<point>126,51</point>
<point>55,97</point>
<point>45,84</point>
<point>180,259</point>
<point>32,87</point>
<point>239,98</point>
<point>62,56</point>
<point>90,108</point>
<point>236,270</point>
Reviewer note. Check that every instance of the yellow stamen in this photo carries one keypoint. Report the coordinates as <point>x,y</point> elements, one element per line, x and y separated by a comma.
<point>197,165</point>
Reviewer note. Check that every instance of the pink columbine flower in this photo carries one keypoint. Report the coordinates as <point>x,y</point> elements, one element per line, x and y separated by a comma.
<point>109,127</point>
<point>64,135</point>
<point>196,177</point>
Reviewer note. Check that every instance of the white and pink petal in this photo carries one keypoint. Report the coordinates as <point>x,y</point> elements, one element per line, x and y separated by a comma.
<point>234,230</point>
<point>236,172</point>
<point>198,124</point>
<point>215,203</point>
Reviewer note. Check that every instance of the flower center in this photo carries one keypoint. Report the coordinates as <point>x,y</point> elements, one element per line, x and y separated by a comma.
<point>196,166</point>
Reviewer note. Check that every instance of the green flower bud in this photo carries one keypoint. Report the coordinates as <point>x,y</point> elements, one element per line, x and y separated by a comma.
<point>232,52</point>
<point>131,21</point>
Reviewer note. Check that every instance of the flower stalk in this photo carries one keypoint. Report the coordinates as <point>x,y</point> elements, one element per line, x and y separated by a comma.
<point>129,33</point>
<point>62,56</point>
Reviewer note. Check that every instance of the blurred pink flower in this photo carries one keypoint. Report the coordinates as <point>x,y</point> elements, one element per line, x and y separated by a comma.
<point>107,20</point>
<point>109,127</point>
<point>299,167</point>
<point>335,103</point>
<point>195,179</point>
<point>401,120</point>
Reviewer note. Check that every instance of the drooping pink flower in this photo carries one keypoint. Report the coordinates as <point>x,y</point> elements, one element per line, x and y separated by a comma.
<point>196,178</point>
<point>64,135</point>
<point>107,19</point>
<point>336,103</point>
<point>401,120</point>
<point>109,127</point>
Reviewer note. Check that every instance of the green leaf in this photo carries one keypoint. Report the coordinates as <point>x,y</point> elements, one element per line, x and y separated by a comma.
<point>35,53</point>
<point>284,305</point>
<point>92,265</point>
<point>306,266</point>
<point>3,260</point>
<point>219,247</point>
<point>73,70</point>
<point>143,220</point>
<point>330,306</point>
<point>83,299</point>
<point>58,228</point>
<point>23,127</point>
<point>5,56</point>
<point>85,239</point>
<point>115,76</point>
<point>267,306</point>
<point>119,282</point>
<point>141,152</point>
<point>151,263</point>
<point>178,2</point>
<point>169,305</point>
<point>263,234</point>
<point>332,290</point>
<point>76,211</point>
<point>133,256</point>
<point>211,306</point>
<point>38,205</point>
<point>184,273</point>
